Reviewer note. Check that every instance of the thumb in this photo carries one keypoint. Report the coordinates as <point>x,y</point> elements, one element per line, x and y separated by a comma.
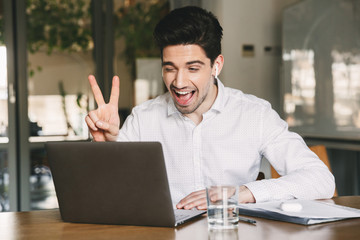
<point>111,130</point>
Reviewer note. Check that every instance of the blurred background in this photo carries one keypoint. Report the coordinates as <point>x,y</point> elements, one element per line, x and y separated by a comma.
<point>303,56</point>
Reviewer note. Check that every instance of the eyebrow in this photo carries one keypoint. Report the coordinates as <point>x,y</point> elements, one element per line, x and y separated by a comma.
<point>188,63</point>
<point>196,61</point>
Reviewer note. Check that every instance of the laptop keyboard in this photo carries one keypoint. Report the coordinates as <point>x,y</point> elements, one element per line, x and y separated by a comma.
<point>180,217</point>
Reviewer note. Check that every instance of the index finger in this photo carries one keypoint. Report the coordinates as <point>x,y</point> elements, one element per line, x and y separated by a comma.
<point>115,91</point>
<point>96,90</point>
<point>191,198</point>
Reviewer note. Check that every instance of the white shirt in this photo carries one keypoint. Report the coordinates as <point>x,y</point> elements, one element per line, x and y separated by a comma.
<point>229,144</point>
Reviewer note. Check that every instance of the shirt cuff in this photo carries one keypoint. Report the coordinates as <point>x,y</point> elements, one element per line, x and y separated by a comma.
<point>259,190</point>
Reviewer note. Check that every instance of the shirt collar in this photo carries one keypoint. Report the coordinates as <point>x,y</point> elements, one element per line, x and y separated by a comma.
<point>171,105</point>
<point>218,105</point>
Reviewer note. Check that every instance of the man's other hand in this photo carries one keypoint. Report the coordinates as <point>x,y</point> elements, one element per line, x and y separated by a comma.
<point>194,200</point>
<point>198,199</point>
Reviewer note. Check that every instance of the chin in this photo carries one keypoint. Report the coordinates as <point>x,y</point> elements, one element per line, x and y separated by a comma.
<point>186,109</point>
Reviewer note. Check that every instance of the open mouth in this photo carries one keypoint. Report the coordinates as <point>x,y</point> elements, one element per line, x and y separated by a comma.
<point>183,97</point>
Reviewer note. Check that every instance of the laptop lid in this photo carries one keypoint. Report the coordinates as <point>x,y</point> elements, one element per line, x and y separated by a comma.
<point>111,182</point>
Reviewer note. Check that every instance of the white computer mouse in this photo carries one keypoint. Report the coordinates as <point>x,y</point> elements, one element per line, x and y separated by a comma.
<point>291,207</point>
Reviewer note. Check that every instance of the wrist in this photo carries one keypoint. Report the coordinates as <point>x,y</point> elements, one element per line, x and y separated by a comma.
<point>245,195</point>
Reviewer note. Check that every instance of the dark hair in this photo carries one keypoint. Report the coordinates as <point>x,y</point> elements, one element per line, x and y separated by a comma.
<point>190,25</point>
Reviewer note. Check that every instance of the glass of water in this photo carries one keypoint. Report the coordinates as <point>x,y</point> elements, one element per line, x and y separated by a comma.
<point>222,203</point>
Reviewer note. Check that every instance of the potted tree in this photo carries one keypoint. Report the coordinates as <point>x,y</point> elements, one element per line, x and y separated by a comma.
<point>135,24</point>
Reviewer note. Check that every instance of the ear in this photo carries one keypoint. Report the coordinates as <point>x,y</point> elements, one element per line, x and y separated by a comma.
<point>218,65</point>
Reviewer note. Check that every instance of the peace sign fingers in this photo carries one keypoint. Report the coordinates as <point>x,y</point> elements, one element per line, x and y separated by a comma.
<point>104,121</point>
<point>115,89</point>
<point>96,90</point>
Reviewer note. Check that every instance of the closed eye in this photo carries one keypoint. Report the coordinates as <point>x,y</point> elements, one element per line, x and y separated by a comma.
<point>193,69</point>
<point>168,69</point>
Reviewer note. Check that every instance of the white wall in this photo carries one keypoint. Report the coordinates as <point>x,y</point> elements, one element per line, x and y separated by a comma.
<point>72,69</point>
<point>256,22</point>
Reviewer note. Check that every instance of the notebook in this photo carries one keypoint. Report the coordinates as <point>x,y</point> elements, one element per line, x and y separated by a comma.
<point>113,183</point>
<point>311,212</point>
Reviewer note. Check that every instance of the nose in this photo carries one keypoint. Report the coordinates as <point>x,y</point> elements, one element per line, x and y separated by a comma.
<point>180,80</point>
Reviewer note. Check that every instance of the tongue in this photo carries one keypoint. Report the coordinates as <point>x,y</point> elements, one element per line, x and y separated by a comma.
<point>183,99</point>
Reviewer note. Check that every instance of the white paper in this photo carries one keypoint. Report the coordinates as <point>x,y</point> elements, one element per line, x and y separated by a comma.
<point>310,209</point>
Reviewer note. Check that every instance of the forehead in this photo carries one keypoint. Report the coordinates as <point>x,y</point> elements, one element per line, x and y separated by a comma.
<point>178,54</point>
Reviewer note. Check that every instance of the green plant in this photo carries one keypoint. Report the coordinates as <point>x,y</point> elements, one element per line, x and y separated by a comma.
<point>80,101</point>
<point>63,102</point>
<point>61,25</point>
<point>58,24</point>
<point>135,23</point>
<point>64,25</point>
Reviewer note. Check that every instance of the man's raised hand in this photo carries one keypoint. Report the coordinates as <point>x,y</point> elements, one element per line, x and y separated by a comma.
<point>104,121</point>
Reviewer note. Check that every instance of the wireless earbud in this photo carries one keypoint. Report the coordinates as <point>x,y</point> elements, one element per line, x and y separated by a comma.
<point>216,71</point>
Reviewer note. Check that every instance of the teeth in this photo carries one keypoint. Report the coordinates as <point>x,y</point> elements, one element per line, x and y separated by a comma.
<point>182,93</point>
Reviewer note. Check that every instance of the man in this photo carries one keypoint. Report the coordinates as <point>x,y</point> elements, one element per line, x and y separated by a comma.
<point>208,130</point>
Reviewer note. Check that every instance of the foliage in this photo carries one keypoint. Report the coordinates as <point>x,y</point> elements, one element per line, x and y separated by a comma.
<point>80,101</point>
<point>58,24</point>
<point>64,25</point>
<point>135,23</point>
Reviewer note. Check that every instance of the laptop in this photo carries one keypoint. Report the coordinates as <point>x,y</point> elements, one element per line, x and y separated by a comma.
<point>113,183</point>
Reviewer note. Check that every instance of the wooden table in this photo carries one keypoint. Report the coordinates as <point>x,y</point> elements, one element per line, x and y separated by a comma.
<point>47,224</point>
